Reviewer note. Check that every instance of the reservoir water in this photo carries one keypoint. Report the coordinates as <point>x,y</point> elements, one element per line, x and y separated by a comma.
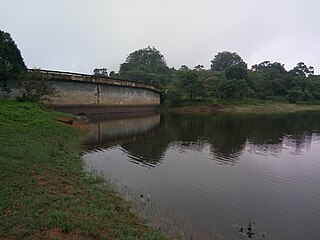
<point>216,171</point>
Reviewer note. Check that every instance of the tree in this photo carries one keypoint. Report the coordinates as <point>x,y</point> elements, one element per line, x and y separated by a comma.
<point>260,84</point>
<point>236,72</point>
<point>173,98</point>
<point>231,88</point>
<point>199,68</point>
<point>184,68</point>
<point>314,86</point>
<point>209,80</point>
<point>148,57</point>
<point>303,70</point>
<point>271,68</point>
<point>146,65</point>
<point>293,95</point>
<point>112,74</point>
<point>189,83</point>
<point>101,72</point>
<point>11,61</point>
<point>138,74</point>
<point>275,76</point>
<point>34,87</point>
<point>226,59</point>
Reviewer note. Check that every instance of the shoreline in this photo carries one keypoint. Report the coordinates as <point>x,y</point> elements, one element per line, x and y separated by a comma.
<point>276,107</point>
<point>46,192</point>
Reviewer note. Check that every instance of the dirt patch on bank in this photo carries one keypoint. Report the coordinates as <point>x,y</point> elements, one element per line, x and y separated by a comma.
<point>74,121</point>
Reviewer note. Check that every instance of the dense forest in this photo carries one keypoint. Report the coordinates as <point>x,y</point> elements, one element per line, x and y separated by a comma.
<point>228,78</point>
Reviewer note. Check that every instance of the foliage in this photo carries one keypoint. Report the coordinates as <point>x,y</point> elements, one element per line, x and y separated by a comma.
<point>189,83</point>
<point>232,88</point>
<point>260,85</point>
<point>149,57</point>
<point>101,72</point>
<point>113,74</point>
<point>314,86</point>
<point>226,59</point>
<point>146,65</point>
<point>34,87</point>
<point>293,95</point>
<point>139,74</point>
<point>209,81</point>
<point>268,67</point>
<point>173,98</point>
<point>236,72</point>
<point>11,61</point>
<point>306,96</point>
<point>303,70</point>
<point>228,78</point>
<point>199,67</point>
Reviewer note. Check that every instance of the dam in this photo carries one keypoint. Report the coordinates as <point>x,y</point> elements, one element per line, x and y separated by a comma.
<point>90,94</point>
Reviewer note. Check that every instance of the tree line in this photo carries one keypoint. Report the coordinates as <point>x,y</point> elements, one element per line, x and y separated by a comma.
<point>228,78</point>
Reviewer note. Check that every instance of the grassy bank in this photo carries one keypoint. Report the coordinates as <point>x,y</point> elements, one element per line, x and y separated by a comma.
<point>45,193</point>
<point>244,106</point>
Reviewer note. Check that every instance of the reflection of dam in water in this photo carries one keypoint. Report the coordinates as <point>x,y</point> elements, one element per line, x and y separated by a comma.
<point>102,130</point>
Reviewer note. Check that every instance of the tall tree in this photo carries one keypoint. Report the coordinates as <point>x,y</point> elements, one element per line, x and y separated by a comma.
<point>11,61</point>
<point>226,59</point>
<point>148,57</point>
<point>146,65</point>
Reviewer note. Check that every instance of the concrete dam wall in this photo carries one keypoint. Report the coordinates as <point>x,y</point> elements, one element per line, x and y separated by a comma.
<point>80,93</point>
<point>89,97</point>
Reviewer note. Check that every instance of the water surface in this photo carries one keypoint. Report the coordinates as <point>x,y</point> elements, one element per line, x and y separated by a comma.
<point>218,170</point>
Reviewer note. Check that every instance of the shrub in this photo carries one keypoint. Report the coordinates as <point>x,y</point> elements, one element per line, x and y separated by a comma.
<point>34,87</point>
<point>293,95</point>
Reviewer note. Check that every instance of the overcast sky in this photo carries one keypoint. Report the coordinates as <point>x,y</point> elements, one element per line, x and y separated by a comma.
<point>80,35</point>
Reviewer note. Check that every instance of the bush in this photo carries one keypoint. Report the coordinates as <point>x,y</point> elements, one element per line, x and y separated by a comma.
<point>173,98</point>
<point>306,95</point>
<point>34,87</point>
<point>293,96</point>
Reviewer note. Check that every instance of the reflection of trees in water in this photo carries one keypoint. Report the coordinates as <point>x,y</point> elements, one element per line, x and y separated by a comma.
<point>226,134</point>
<point>149,151</point>
<point>292,131</point>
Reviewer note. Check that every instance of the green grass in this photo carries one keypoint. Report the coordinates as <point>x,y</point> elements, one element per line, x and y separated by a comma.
<point>275,104</point>
<point>45,193</point>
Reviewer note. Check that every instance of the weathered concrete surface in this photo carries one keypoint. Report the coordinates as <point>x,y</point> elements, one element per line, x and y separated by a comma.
<point>89,97</point>
<point>80,93</point>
